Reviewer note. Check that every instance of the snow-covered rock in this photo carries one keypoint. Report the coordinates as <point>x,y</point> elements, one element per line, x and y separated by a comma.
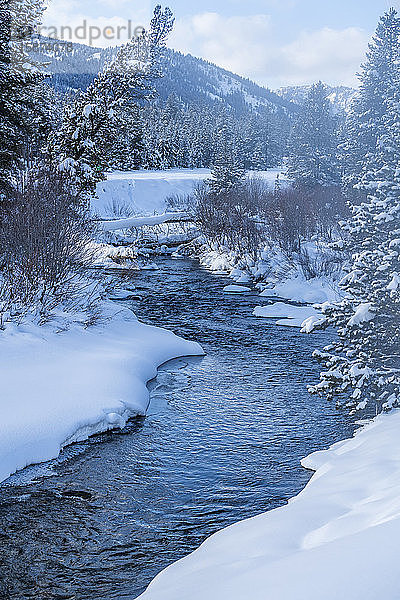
<point>299,289</point>
<point>236,289</point>
<point>289,315</point>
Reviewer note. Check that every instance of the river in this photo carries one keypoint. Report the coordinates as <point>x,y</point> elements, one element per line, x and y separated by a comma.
<point>222,441</point>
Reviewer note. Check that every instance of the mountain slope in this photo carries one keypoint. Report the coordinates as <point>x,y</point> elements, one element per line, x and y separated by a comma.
<point>193,80</point>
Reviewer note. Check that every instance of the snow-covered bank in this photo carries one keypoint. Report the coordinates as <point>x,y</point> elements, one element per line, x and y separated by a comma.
<point>63,387</point>
<point>143,192</point>
<point>280,279</point>
<point>146,192</point>
<point>339,538</point>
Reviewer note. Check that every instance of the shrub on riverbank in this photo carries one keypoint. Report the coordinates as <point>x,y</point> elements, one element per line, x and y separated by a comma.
<point>45,252</point>
<point>250,217</point>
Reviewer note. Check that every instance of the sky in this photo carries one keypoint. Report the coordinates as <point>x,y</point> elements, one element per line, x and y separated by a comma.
<point>274,42</point>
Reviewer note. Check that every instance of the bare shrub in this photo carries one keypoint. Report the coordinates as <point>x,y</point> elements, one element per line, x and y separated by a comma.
<point>177,202</point>
<point>252,214</point>
<point>120,209</point>
<point>225,219</point>
<point>323,262</point>
<point>294,214</point>
<point>44,250</point>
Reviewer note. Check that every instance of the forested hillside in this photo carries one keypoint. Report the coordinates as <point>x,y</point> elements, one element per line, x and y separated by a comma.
<point>183,125</point>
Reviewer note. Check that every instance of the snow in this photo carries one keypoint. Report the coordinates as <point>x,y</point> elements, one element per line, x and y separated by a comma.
<point>394,283</point>
<point>363,314</point>
<point>299,289</point>
<point>87,110</point>
<point>289,315</point>
<point>62,387</point>
<point>240,276</point>
<point>216,261</point>
<point>143,192</point>
<point>114,257</point>
<point>309,324</point>
<point>337,539</point>
<point>119,224</point>
<point>236,289</point>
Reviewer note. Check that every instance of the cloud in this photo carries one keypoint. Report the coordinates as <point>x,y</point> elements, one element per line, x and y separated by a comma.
<point>251,47</point>
<point>236,43</point>
<point>74,21</point>
<point>327,54</point>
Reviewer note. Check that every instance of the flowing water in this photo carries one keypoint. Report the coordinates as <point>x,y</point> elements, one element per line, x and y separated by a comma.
<point>221,442</point>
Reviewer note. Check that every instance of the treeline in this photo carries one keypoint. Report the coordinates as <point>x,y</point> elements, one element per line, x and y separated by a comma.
<point>51,163</point>
<point>175,135</point>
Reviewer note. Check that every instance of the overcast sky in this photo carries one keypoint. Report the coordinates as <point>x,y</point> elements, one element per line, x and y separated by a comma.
<point>274,42</point>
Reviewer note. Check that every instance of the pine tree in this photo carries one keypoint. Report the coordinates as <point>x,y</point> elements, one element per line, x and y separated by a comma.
<point>19,77</point>
<point>365,124</point>
<point>363,366</point>
<point>312,146</point>
<point>228,170</point>
<point>83,147</point>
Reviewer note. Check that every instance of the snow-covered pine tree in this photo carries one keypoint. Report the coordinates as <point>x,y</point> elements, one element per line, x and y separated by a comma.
<point>42,116</point>
<point>365,123</point>
<point>312,146</point>
<point>228,170</point>
<point>82,148</point>
<point>19,77</point>
<point>362,368</point>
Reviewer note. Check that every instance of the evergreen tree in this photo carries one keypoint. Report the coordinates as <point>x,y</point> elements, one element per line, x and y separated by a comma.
<point>19,77</point>
<point>228,170</point>
<point>312,146</point>
<point>365,124</point>
<point>84,145</point>
<point>363,366</point>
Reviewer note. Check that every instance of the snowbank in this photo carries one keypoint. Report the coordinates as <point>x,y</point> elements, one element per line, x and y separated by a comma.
<point>236,289</point>
<point>58,388</point>
<point>339,538</point>
<point>289,315</point>
<point>299,289</point>
<point>143,192</point>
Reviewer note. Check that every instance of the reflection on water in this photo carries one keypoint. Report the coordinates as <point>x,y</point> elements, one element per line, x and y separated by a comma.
<point>221,442</point>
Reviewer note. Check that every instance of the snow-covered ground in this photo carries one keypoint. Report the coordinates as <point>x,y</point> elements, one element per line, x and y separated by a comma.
<point>339,538</point>
<point>146,192</point>
<point>62,387</point>
<point>143,192</point>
